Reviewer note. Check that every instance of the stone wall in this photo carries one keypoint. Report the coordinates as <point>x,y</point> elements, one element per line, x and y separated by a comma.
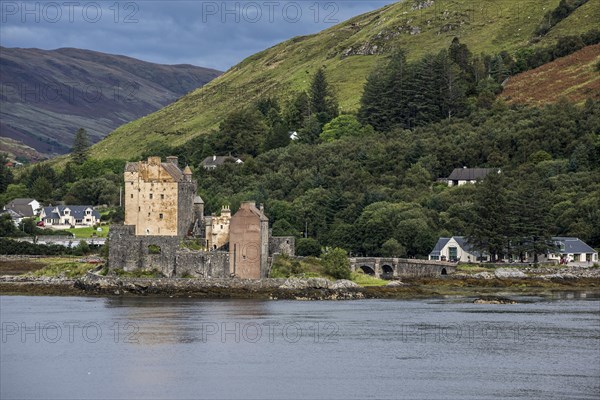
<point>162,253</point>
<point>200,264</point>
<point>282,245</point>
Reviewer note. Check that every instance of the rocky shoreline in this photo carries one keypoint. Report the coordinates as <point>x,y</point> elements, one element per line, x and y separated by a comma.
<point>300,289</point>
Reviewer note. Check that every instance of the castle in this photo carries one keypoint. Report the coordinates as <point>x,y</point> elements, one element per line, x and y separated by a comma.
<point>165,229</point>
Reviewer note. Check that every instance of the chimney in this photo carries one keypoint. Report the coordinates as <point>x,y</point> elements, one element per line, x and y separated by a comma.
<point>262,207</point>
<point>173,160</point>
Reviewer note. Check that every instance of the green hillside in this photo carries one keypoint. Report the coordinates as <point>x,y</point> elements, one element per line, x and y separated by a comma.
<point>348,51</point>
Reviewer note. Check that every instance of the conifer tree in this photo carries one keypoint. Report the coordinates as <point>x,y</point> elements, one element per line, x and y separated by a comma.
<point>81,144</point>
<point>323,103</point>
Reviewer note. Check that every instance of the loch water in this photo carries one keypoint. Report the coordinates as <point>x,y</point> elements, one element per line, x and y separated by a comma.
<point>173,348</point>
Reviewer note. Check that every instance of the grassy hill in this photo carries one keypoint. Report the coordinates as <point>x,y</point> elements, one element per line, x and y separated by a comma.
<point>574,77</point>
<point>348,51</point>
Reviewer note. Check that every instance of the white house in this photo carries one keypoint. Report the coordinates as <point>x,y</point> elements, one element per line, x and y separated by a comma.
<point>213,162</point>
<point>63,217</point>
<point>24,207</point>
<point>462,176</point>
<point>454,248</point>
<point>568,249</point>
<point>572,249</point>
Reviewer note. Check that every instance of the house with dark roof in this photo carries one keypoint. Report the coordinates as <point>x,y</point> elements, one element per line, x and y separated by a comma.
<point>572,249</point>
<point>64,217</point>
<point>455,248</point>
<point>14,216</point>
<point>25,207</point>
<point>462,176</point>
<point>567,249</point>
<point>213,162</point>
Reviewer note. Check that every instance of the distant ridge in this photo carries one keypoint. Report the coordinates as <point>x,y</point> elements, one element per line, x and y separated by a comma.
<point>48,94</point>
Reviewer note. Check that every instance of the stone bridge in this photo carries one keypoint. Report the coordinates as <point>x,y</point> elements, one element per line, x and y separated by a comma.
<point>392,268</point>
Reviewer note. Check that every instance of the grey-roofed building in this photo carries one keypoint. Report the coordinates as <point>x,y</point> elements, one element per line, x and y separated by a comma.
<point>213,162</point>
<point>572,249</point>
<point>455,248</point>
<point>25,207</point>
<point>462,176</point>
<point>567,249</point>
<point>63,217</point>
<point>14,216</point>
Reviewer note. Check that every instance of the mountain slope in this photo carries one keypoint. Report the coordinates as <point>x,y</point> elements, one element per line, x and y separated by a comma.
<point>348,51</point>
<point>574,77</point>
<point>47,95</point>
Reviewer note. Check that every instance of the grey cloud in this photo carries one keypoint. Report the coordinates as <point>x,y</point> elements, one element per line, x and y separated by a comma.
<point>174,32</point>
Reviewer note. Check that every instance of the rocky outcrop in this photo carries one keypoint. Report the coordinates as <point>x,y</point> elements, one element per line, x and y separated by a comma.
<point>292,288</point>
<point>509,273</point>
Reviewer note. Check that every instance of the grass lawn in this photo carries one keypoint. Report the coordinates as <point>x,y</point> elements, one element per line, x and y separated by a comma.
<point>367,280</point>
<point>66,266</point>
<point>87,232</point>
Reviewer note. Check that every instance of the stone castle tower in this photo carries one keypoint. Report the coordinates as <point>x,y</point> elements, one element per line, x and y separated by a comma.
<point>249,242</point>
<point>160,198</point>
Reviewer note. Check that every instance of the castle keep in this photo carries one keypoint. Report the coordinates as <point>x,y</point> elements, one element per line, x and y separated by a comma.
<point>165,229</point>
<point>159,197</point>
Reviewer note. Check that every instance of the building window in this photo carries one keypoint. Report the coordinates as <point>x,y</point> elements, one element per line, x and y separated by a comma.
<point>150,196</point>
<point>453,253</point>
<point>160,216</point>
<point>139,208</point>
<point>162,196</point>
<point>132,195</point>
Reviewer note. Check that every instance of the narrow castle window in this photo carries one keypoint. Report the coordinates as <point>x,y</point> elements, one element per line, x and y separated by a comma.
<point>160,216</point>
<point>132,195</point>
<point>150,196</point>
<point>162,196</point>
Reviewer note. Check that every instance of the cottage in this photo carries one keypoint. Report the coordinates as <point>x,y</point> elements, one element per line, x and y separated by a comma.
<point>572,249</point>
<point>567,249</point>
<point>213,162</point>
<point>15,217</point>
<point>462,176</point>
<point>453,249</point>
<point>24,207</point>
<point>64,217</point>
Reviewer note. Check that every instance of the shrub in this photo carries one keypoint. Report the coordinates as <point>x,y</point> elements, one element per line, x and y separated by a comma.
<point>336,263</point>
<point>307,247</point>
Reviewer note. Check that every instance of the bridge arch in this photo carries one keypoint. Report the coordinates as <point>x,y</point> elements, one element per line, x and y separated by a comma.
<point>367,270</point>
<point>387,271</point>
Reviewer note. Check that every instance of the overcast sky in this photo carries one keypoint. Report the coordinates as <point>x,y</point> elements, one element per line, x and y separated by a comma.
<point>212,34</point>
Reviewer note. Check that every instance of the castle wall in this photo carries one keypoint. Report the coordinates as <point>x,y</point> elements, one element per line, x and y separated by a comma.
<point>185,207</point>
<point>200,264</point>
<point>162,253</point>
<point>282,245</point>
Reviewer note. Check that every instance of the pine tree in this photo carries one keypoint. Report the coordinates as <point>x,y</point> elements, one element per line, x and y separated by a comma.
<point>487,232</point>
<point>372,103</point>
<point>529,211</point>
<point>323,103</point>
<point>79,152</point>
